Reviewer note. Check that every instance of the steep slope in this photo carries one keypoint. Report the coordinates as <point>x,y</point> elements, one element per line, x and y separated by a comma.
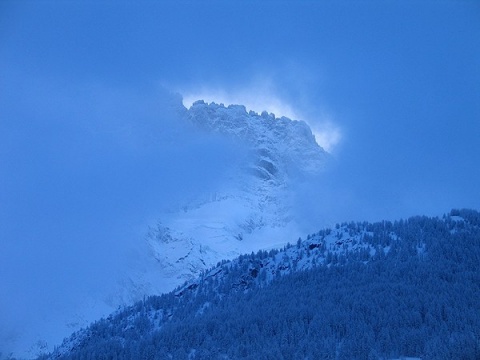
<point>363,291</point>
<point>249,209</point>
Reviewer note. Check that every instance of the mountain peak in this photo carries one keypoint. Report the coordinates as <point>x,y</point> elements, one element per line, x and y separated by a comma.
<point>251,209</point>
<point>290,141</point>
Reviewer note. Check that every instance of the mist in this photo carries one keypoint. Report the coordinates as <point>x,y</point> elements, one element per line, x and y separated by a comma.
<point>393,169</point>
<point>84,171</point>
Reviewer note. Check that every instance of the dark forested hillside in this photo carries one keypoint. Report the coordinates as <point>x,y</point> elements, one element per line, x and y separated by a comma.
<point>358,291</point>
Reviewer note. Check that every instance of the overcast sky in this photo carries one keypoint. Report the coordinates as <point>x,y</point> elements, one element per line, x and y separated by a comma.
<point>390,88</point>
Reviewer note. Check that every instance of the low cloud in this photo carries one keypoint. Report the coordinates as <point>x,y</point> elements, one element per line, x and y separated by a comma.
<point>83,169</point>
<point>327,134</point>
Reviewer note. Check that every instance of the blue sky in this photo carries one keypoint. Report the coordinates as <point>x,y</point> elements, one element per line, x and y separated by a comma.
<point>393,87</point>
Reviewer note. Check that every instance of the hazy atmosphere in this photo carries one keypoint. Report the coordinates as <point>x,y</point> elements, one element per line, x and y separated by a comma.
<point>90,149</point>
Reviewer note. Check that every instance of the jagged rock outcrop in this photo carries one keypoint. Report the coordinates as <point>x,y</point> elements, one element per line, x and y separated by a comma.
<point>251,209</point>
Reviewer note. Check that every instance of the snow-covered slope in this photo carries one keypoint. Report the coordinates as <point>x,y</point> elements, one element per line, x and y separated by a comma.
<point>349,284</point>
<point>328,247</point>
<point>249,209</point>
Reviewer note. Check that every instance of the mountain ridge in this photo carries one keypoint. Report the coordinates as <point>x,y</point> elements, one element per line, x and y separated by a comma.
<point>417,262</point>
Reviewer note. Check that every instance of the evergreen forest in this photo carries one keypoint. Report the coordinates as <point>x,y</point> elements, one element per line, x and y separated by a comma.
<point>386,290</point>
